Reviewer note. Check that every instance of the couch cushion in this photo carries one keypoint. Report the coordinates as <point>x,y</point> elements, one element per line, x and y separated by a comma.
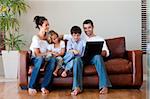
<point>118,66</point>
<point>89,70</point>
<point>116,47</point>
<point>113,66</point>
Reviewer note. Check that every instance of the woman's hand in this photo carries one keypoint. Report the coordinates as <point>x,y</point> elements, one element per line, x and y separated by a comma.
<point>38,53</point>
<point>55,54</point>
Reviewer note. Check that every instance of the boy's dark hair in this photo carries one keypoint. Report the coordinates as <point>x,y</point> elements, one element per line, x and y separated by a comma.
<point>39,20</point>
<point>88,21</point>
<point>75,30</point>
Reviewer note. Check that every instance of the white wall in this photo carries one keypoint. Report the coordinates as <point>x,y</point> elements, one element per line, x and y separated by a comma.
<point>112,18</point>
<point>1,67</point>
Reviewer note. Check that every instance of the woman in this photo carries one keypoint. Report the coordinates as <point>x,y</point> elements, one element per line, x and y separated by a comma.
<point>39,51</point>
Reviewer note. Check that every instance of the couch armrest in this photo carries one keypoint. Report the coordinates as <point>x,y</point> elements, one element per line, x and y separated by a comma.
<point>22,70</point>
<point>136,56</point>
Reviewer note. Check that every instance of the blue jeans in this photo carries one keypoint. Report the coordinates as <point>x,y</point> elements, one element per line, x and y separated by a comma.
<point>68,60</point>
<point>38,61</point>
<point>98,62</point>
<point>77,73</point>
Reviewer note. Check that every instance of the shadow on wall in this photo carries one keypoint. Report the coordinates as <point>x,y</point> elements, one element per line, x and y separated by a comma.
<point>1,67</point>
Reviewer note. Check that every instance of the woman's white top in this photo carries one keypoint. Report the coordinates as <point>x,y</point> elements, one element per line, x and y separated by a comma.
<point>38,43</point>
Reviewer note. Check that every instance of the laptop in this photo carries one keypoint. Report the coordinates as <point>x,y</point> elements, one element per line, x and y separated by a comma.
<point>92,48</point>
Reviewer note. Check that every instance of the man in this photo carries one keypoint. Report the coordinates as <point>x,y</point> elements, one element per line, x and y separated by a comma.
<point>96,60</point>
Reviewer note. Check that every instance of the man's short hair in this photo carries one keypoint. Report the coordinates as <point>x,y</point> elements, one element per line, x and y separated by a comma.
<point>88,21</point>
<point>75,30</point>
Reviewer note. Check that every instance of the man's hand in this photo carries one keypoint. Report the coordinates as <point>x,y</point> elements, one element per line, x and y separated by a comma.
<point>103,53</point>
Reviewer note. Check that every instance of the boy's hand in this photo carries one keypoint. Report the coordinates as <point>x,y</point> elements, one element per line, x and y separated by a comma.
<point>72,51</point>
<point>75,52</point>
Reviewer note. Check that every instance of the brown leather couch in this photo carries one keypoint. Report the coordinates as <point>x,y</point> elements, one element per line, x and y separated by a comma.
<point>124,68</point>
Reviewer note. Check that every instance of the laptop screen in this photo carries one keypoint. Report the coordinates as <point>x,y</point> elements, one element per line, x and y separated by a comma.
<point>93,48</point>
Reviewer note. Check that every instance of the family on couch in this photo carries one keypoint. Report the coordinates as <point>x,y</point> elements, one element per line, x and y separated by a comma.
<point>56,57</point>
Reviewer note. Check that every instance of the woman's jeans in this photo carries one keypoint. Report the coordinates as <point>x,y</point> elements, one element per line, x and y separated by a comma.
<point>98,62</point>
<point>38,61</point>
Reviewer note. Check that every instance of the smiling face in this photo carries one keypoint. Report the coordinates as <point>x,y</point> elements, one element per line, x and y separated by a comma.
<point>76,36</point>
<point>88,29</point>
<point>45,26</point>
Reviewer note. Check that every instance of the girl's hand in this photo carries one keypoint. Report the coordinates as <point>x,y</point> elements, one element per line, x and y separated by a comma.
<point>49,52</point>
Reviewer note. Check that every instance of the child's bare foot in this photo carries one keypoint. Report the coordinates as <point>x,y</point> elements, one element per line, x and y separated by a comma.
<point>44,91</point>
<point>104,90</point>
<point>64,74</point>
<point>76,91</point>
<point>32,91</point>
<point>30,70</point>
<point>55,73</point>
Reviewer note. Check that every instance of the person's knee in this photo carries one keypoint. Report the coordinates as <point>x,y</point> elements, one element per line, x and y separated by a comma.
<point>78,62</point>
<point>52,59</point>
<point>71,54</point>
<point>60,59</point>
<point>39,58</point>
<point>52,63</point>
<point>97,60</point>
<point>77,59</point>
<point>97,57</point>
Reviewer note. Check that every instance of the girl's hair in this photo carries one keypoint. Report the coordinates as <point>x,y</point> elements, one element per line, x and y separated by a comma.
<point>39,20</point>
<point>50,34</point>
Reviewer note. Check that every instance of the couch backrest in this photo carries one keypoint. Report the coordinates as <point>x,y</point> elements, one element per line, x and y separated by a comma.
<point>117,47</point>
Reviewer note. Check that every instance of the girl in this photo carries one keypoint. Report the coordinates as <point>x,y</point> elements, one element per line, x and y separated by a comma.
<point>57,49</point>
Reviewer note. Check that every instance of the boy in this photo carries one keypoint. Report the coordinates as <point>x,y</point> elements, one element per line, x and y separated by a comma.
<point>75,48</point>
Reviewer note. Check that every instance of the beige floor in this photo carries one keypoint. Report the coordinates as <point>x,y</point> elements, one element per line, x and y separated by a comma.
<point>9,90</point>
